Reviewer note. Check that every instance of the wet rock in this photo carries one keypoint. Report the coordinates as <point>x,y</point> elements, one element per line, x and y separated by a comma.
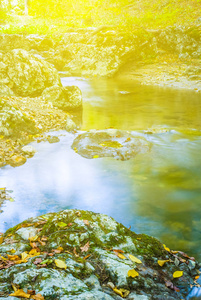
<point>53,139</point>
<point>17,160</point>
<point>29,150</point>
<point>110,143</point>
<point>70,125</point>
<point>66,98</point>
<point>26,74</point>
<point>92,266</point>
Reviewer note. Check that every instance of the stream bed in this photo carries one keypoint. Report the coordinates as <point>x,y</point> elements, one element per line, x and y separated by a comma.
<point>157,193</point>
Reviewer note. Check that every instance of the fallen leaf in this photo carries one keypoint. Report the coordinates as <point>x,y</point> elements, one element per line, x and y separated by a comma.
<point>75,252</point>
<point>87,256</point>
<point>118,250</point>
<point>121,256</point>
<point>13,257</point>
<point>1,240</point>
<point>133,273</point>
<point>33,238</point>
<point>20,293</point>
<point>166,248</point>
<point>177,274</point>
<point>121,292</point>
<point>61,224</point>
<point>34,252</point>
<point>37,297</point>
<point>162,262</point>
<point>37,261</point>
<point>135,259</point>
<point>86,222</point>
<point>85,248</point>
<point>96,156</point>
<point>60,264</point>
<point>196,277</point>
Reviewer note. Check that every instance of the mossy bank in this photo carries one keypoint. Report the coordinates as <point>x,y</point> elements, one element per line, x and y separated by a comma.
<point>77,254</point>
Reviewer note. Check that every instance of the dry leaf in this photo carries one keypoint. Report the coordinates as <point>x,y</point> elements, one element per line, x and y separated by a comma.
<point>86,222</point>
<point>62,224</point>
<point>196,277</point>
<point>135,259</point>
<point>1,240</point>
<point>85,248</point>
<point>133,273</point>
<point>162,262</point>
<point>75,252</point>
<point>34,252</point>
<point>118,250</point>
<point>13,257</point>
<point>87,256</point>
<point>33,238</point>
<point>178,274</point>
<point>37,297</point>
<point>60,264</point>
<point>20,293</point>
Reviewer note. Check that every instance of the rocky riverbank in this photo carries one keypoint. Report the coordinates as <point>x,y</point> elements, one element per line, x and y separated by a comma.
<point>78,254</point>
<point>33,100</point>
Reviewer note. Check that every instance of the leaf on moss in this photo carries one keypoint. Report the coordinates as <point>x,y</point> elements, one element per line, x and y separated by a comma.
<point>20,293</point>
<point>62,224</point>
<point>178,274</point>
<point>37,297</point>
<point>135,259</point>
<point>121,256</point>
<point>85,248</point>
<point>162,262</point>
<point>60,264</point>
<point>166,248</point>
<point>133,273</point>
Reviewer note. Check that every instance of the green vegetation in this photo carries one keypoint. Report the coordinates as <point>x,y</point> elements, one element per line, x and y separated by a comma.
<point>50,16</point>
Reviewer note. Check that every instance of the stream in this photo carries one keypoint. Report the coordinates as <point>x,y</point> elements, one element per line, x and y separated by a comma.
<point>157,193</point>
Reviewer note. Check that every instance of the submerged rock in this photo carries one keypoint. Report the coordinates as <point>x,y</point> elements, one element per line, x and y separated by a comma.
<point>77,254</point>
<point>115,143</point>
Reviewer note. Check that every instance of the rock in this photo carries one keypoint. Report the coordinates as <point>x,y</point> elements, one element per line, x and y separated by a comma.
<point>53,139</point>
<point>13,121</point>
<point>66,98</point>
<point>26,74</point>
<point>91,268</point>
<point>17,160</point>
<point>70,125</point>
<point>110,143</point>
<point>29,150</point>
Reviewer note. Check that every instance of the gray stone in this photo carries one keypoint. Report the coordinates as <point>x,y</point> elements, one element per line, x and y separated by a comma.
<point>95,295</point>
<point>27,232</point>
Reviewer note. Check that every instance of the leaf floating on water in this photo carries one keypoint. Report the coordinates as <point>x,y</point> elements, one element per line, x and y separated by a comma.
<point>162,262</point>
<point>166,248</point>
<point>133,273</point>
<point>20,293</point>
<point>60,264</point>
<point>62,224</point>
<point>135,259</point>
<point>178,274</point>
<point>11,199</point>
<point>96,156</point>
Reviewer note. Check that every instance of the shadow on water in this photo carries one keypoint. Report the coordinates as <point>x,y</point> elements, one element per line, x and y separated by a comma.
<point>157,193</point>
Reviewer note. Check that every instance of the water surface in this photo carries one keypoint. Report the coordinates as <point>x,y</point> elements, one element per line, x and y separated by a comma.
<point>158,193</point>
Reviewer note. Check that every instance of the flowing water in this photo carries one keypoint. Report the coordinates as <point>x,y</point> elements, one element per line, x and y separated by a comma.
<point>158,193</point>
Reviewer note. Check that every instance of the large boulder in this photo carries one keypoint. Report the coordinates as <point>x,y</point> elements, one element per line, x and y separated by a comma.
<point>66,98</point>
<point>26,74</point>
<point>80,255</point>
<point>13,121</point>
<point>115,143</point>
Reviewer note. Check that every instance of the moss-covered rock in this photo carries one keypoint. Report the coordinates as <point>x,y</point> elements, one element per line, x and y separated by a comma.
<point>77,254</point>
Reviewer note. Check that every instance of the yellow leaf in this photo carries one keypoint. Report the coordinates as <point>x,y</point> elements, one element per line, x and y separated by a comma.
<point>1,240</point>
<point>135,259</point>
<point>33,238</point>
<point>60,248</point>
<point>96,156</point>
<point>20,293</point>
<point>133,273</point>
<point>178,274</point>
<point>162,262</point>
<point>13,257</point>
<point>37,297</point>
<point>166,248</point>
<point>24,256</point>
<point>60,264</point>
<point>121,256</point>
<point>34,252</point>
<point>121,292</point>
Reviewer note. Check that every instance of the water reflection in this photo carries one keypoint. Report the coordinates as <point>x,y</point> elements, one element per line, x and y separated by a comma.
<point>157,193</point>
